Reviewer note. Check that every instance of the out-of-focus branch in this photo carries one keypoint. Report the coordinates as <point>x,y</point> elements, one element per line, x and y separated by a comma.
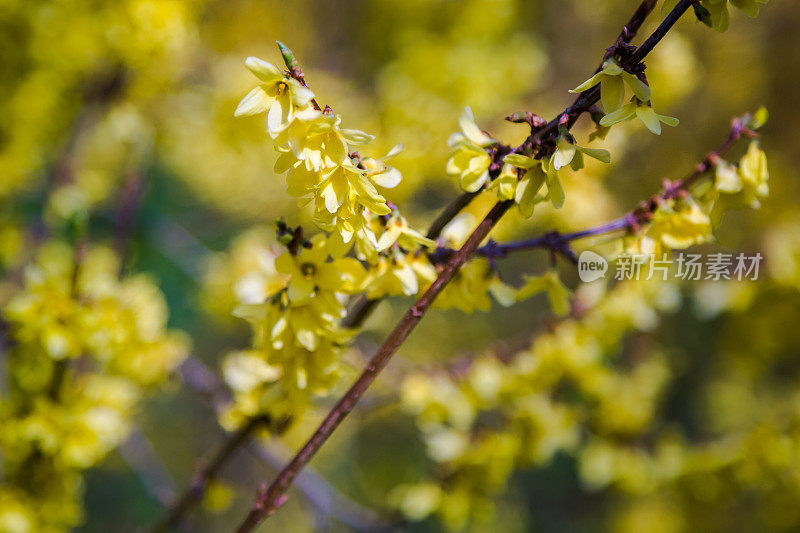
<point>138,452</point>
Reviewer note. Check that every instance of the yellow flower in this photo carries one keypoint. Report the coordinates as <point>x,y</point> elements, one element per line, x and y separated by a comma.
<point>471,287</point>
<point>726,178</point>
<point>569,153</point>
<point>754,174</point>
<point>345,189</point>
<point>550,282</point>
<point>244,371</point>
<point>318,140</point>
<point>277,95</point>
<point>398,231</point>
<point>310,271</point>
<point>680,224</point>
<point>469,160</point>
<point>379,172</point>
<point>505,184</point>
<point>612,79</point>
<point>526,192</point>
<point>644,112</point>
<point>399,274</point>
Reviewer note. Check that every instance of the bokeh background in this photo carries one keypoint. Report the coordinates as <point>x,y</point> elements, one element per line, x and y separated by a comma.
<point>135,98</point>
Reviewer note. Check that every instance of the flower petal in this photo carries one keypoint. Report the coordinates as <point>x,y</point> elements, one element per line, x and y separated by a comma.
<point>588,84</point>
<point>471,130</point>
<point>254,103</point>
<point>612,93</point>
<point>263,70</point>
<point>388,179</point>
<point>639,88</point>
<point>649,118</point>
<point>622,114</point>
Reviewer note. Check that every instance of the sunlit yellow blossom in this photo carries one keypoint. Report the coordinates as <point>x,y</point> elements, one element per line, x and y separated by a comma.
<point>680,224</point>
<point>526,191</point>
<point>471,286</point>
<point>754,175</point>
<point>569,153</point>
<point>318,140</point>
<point>469,159</point>
<point>379,172</point>
<point>278,95</point>
<point>398,231</point>
<point>312,271</point>
<point>399,274</point>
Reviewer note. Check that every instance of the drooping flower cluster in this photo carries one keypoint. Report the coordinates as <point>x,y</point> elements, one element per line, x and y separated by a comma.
<point>521,177</point>
<point>85,348</point>
<point>297,334</point>
<point>319,156</point>
<point>298,340</point>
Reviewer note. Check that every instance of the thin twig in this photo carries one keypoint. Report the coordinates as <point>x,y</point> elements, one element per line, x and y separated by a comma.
<point>138,452</point>
<point>449,213</point>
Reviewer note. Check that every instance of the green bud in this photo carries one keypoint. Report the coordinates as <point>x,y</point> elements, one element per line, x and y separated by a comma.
<point>288,56</point>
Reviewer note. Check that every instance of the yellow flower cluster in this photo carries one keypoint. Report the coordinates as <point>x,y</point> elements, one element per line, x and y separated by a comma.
<point>503,413</point>
<point>678,223</point>
<point>85,348</point>
<point>521,177</point>
<point>319,156</point>
<point>507,412</point>
<point>298,339</point>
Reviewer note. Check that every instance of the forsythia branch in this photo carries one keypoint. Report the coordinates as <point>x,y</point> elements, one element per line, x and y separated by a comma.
<point>559,242</point>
